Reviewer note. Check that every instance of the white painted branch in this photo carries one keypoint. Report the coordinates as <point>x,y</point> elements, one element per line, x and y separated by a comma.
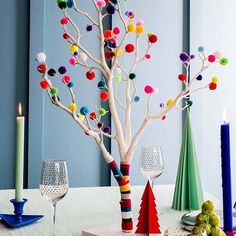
<point>116,97</point>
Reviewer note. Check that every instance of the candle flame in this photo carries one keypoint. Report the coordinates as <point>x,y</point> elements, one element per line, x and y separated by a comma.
<point>224,116</point>
<point>20,109</point>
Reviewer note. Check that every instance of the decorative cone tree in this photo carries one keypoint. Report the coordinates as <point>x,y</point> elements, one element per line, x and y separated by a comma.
<point>148,219</point>
<point>113,46</point>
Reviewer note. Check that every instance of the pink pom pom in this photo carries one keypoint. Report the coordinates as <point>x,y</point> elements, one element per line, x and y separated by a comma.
<point>72,61</point>
<point>101,3</point>
<point>140,22</point>
<point>148,56</point>
<point>148,89</point>
<point>116,30</point>
<point>66,79</point>
<point>64,21</point>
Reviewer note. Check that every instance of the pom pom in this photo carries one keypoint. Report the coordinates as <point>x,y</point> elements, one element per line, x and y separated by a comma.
<point>139,29</point>
<point>73,48</point>
<point>212,86</point>
<point>211,58</point>
<point>70,3</point>
<point>148,56</point>
<point>61,4</point>
<point>170,102</point>
<point>70,84</point>
<point>90,75</point>
<point>201,49</point>
<point>62,70</point>
<point>101,3</point>
<point>66,79</point>
<point>113,45</point>
<point>217,54</point>
<point>119,52</point>
<point>132,76</point>
<point>110,9</point>
<point>140,22</point>
<point>109,55</point>
<point>214,79</point>
<point>100,124</point>
<point>102,84</point>
<point>116,30</point>
<point>104,96</point>
<point>136,98</point>
<point>73,107</point>
<point>113,1</point>
<point>129,48</point>
<point>83,56</point>
<point>117,70</point>
<point>189,103</point>
<point>107,130</point>
<point>102,111</point>
<point>64,21</point>
<point>84,110</point>
<point>131,27</point>
<point>108,34</point>
<point>155,90</point>
<point>224,61</point>
<point>184,57</point>
<point>81,117</point>
<point>72,61</point>
<point>131,14</point>
<point>152,38</point>
<point>182,77</point>
<point>148,89</point>
<point>66,36</point>
<point>41,68</point>
<point>51,72</point>
<point>44,84</point>
<point>117,78</point>
<point>163,117</point>
<point>41,57</point>
<point>199,77</point>
<point>92,116</point>
<point>89,28</point>
<point>162,105</point>
<point>192,56</point>
<point>54,91</point>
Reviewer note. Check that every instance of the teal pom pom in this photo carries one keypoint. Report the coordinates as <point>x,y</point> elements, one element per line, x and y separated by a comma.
<point>70,4</point>
<point>70,84</point>
<point>102,84</point>
<point>132,76</point>
<point>136,98</point>
<point>201,49</point>
<point>84,110</point>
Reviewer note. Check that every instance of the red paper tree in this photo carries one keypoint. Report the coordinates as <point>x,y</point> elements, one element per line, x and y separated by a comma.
<point>148,219</point>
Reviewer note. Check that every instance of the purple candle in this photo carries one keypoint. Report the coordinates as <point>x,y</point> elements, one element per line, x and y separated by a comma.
<point>226,176</point>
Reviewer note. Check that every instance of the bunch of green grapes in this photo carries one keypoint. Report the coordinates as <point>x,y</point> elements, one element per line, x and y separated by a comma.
<point>207,221</point>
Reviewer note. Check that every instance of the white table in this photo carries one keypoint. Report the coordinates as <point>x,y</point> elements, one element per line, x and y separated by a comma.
<point>85,208</point>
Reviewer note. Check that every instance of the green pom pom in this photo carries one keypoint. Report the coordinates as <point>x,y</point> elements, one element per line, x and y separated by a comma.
<point>224,61</point>
<point>208,207</point>
<point>132,76</point>
<point>117,78</point>
<point>54,91</point>
<point>102,111</point>
<point>190,103</point>
<point>149,34</point>
<point>61,4</point>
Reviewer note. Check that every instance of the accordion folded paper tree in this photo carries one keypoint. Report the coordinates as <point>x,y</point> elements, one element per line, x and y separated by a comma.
<point>114,46</point>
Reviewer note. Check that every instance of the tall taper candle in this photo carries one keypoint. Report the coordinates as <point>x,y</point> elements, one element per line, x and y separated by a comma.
<point>20,124</point>
<point>226,176</point>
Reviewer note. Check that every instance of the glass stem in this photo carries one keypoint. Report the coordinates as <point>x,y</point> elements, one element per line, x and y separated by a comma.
<point>54,219</point>
<point>152,182</point>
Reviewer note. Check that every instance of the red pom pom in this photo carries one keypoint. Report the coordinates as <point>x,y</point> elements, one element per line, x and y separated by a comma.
<point>90,75</point>
<point>66,36</point>
<point>104,96</point>
<point>41,68</point>
<point>182,77</point>
<point>152,38</point>
<point>92,116</point>
<point>108,34</point>
<point>211,58</point>
<point>129,48</point>
<point>64,21</point>
<point>44,84</point>
<point>163,117</point>
<point>212,86</point>
<point>109,55</point>
<point>107,1</point>
<point>116,30</point>
<point>66,79</point>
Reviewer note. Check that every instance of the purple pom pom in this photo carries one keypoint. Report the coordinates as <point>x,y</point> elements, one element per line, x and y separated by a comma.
<point>89,28</point>
<point>184,56</point>
<point>107,130</point>
<point>62,70</point>
<point>192,56</point>
<point>162,105</point>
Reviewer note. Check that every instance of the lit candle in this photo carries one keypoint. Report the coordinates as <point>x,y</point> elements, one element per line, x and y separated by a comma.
<point>20,124</point>
<point>226,175</point>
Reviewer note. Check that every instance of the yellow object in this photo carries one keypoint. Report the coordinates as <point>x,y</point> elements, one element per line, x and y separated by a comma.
<point>125,188</point>
<point>139,29</point>
<point>215,79</point>
<point>73,107</point>
<point>81,117</point>
<point>74,48</point>
<point>131,28</point>
<point>119,52</point>
<point>170,102</point>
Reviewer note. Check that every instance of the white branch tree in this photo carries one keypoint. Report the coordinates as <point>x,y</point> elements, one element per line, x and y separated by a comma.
<point>113,46</point>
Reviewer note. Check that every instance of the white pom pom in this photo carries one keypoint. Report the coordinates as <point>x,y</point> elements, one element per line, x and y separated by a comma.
<point>117,70</point>
<point>82,56</point>
<point>217,54</point>
<point>40,57</point>
<point>155,89</point>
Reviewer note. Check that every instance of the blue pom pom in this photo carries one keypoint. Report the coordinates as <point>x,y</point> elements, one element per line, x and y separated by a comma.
<point>84,110</point>
<point>136,98</point>
<point>102,84</point>
<point>70,84</point>
<point>70,4</point>
<point>201,49</point>
<point>199,77</point>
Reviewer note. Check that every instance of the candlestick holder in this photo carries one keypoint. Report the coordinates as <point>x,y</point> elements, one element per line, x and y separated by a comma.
<point>18,219</point>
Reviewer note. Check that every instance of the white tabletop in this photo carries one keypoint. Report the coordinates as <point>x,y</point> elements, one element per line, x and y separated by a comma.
<point>85,208</point>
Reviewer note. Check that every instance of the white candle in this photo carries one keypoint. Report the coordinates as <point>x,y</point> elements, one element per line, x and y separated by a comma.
<point>20,124</point>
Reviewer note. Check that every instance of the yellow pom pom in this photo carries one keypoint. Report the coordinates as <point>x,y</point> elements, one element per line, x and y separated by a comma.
<point>131,28</point>
<point>119,52</point>
<point>81,117</point>
<point>215,79</point>
<point>74,48</point>
<point>73,107</point>
<point>170,102</point>
<point>139,29</point>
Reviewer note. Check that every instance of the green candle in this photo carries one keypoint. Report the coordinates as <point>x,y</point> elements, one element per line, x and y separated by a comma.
<point>20,124</point>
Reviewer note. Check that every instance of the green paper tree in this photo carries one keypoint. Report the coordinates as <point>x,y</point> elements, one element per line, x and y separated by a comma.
<point>188,193</point>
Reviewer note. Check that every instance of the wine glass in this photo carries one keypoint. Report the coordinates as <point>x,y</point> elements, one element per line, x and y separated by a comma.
<point>54,183</point>
<point>151,163</point>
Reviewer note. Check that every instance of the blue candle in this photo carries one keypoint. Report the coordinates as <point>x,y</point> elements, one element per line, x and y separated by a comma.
<point>226,178</point>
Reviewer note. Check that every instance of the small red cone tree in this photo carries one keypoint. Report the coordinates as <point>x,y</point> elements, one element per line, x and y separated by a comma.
<point>148,219</point>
